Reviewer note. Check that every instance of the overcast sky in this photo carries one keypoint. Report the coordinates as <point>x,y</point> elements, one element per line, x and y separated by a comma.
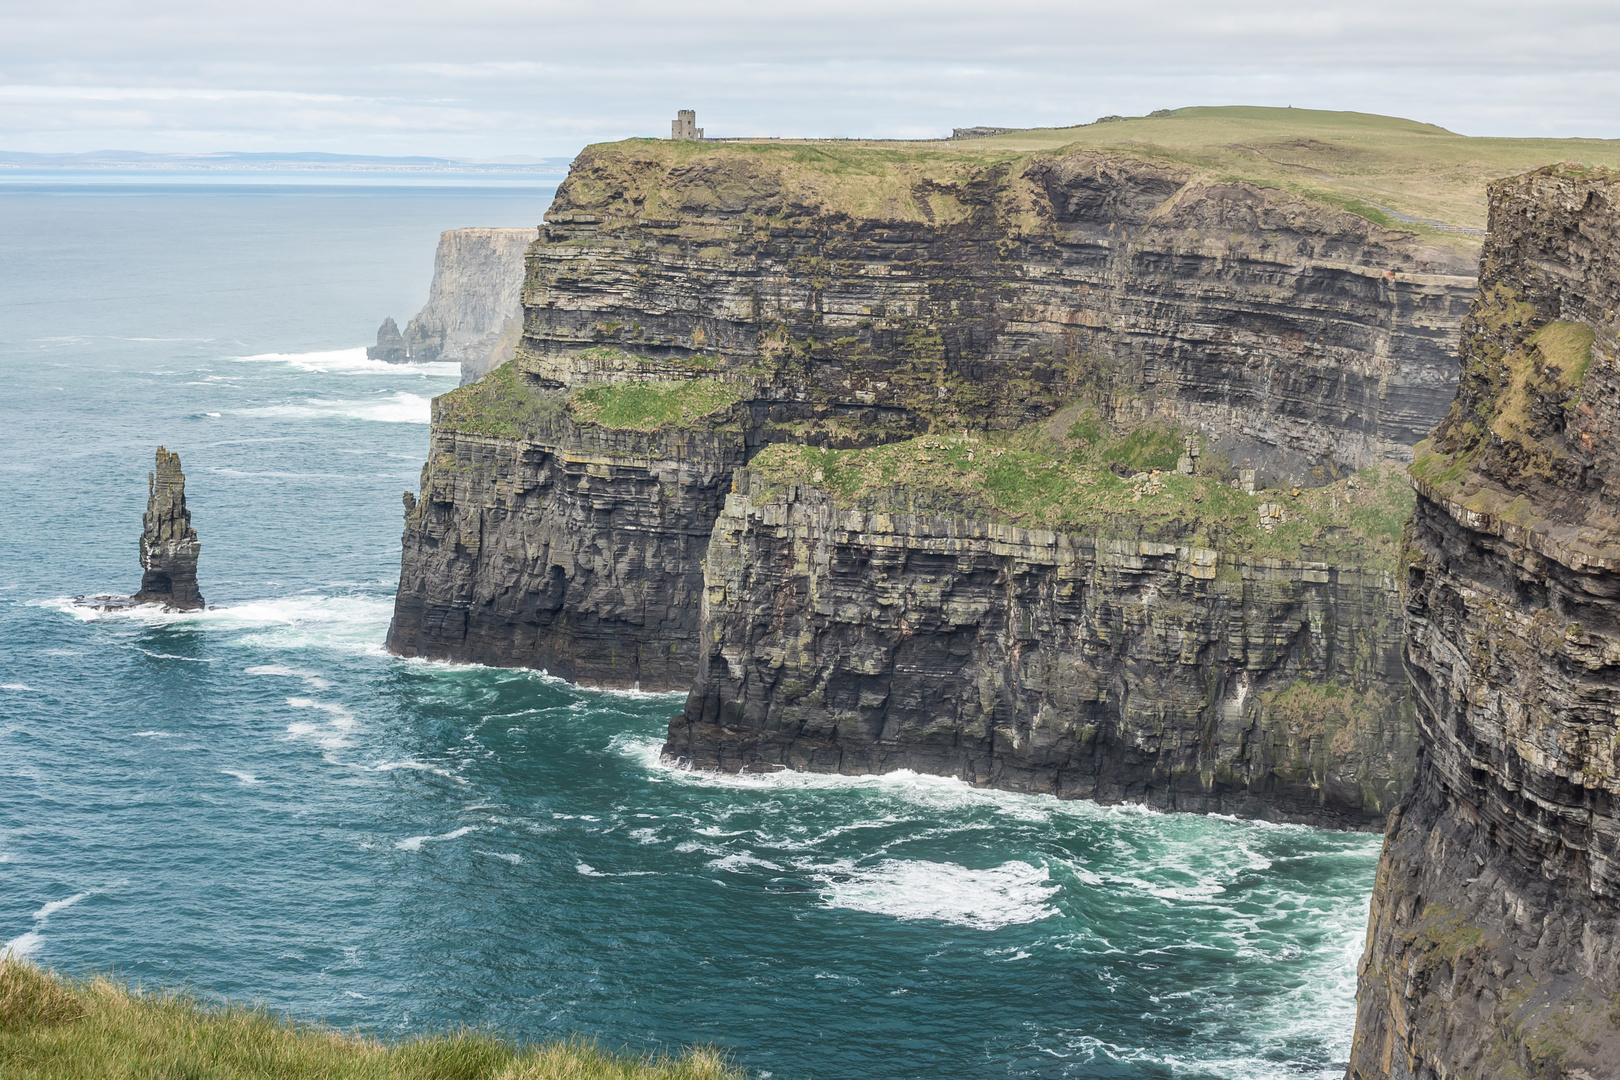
<point>490,78</point>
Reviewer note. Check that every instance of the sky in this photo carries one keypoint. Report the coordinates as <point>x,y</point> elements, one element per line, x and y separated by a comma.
<point>487,79</point>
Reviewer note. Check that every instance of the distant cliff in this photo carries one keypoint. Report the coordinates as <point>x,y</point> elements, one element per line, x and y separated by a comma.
<point>473,314</point>
<point>1118,340</point>
<point>1494,944</point>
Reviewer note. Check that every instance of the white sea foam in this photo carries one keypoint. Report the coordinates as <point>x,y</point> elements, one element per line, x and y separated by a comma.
<point>741,860</point>
<point>308,620</point>
<point>153,735</point>
<point>399,407</point>
<point>1005,895</point>
<point>244,777</point>
<point>414,843</point>
<point>510,856</point>
<point>57,905</point>
<point>588,870</point>
<point>350,360</point>
<point>23,945</point>
<point>18,688</point>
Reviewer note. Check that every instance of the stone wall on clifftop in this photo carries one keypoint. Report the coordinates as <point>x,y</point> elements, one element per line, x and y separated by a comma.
<point>1494,943</point>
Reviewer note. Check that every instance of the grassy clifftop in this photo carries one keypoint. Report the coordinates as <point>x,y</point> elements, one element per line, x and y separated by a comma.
<point>99,1030</point>
<point>1070,474</point>
<point>1390,170</point>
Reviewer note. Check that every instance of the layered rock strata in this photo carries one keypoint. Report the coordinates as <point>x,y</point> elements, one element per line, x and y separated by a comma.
<point>1301,340</point>
<point>570,547</point>
<point>1494,943</point>
<point>169,545</point>
<point>474,313</point>
<point>1298,341</point>
<point>1120,670</point>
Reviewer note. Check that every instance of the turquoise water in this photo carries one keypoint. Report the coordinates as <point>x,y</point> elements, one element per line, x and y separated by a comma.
<point>257,802</point>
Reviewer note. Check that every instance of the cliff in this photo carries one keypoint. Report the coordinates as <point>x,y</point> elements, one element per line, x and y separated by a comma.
<point>1095,323</point>
<point>1494,944</point>
<point>1103,667</point>
<point>169,545</point>
<point>473,313</point>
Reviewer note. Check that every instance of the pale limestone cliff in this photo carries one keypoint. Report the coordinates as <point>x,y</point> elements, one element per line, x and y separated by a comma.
<point>474,312</point>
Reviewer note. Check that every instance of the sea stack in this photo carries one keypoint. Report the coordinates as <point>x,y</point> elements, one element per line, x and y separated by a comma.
<point>169,546</point>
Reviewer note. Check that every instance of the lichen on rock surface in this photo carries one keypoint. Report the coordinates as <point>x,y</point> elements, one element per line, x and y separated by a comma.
<point>169,545</point>
<point>1494,944</point>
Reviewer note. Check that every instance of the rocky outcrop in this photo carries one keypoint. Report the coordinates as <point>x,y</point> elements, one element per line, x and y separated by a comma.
<point>558,545</point>
<point>169,546</point>
<point>1120,670</point>
<point>1494,943</point>
<point>473,314</point>
<point>877,299</point>
<point>1299,339</point>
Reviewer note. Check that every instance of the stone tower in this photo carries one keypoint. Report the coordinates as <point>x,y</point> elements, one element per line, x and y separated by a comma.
<point>684,127</point>
<point>169,546</point>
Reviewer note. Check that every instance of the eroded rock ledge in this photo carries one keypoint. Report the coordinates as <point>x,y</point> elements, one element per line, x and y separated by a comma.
<point>1120,670</point>
<point>1494,945</point>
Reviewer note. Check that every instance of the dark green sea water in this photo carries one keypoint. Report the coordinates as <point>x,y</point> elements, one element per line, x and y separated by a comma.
<point>257,802</point>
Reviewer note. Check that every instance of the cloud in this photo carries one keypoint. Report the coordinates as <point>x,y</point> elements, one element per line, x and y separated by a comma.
<point>491,77</point>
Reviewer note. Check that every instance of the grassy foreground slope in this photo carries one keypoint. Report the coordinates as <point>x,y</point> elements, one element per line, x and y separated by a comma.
<point>1396,172</point>
<point>94,1029</point>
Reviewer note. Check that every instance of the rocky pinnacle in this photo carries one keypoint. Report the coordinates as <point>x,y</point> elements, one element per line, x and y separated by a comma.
<point>169,546</point>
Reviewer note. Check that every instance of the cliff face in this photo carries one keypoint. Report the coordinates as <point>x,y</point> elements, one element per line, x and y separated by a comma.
<point>1117,670</point>
<point>1494,945</point>
<point>474,312</point>
<point>1301,340</point>
<point>877,300</point>
<point>538,541</point>
<point>169,545</point>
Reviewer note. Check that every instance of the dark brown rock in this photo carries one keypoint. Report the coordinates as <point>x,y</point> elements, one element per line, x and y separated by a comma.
<point>169,546</point>
<point>851,641</point>
<point>1494,945</point>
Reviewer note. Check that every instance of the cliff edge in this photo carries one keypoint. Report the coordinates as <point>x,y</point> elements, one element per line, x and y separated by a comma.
<point>1060,471</point>
<point>1494,944</point>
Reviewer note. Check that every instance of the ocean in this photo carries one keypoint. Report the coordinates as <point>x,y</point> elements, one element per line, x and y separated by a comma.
<point>256,802</point>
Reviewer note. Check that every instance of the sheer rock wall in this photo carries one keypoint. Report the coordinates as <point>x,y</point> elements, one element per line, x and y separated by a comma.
<point>1494,943</point>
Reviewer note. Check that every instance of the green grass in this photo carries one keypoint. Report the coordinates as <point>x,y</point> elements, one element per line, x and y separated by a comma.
<point>649,406</point>
<point>1031,478</point>
<point>499,404</point>
<point>95,1029</point>
<point>1375,166</point>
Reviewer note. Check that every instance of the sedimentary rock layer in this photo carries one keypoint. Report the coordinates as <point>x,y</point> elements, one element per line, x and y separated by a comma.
<point>169,545</point>
<point>1494,945</point>
<point>1298,338</point>
<point>473,314</point>
<point>850,641</point>
<point>573,548</point>
<point>876,300</point>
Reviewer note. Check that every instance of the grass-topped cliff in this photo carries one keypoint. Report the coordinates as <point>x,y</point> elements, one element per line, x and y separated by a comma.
<point>1072,475</point>
<point>1394,172</point>
<point>97,1029</point>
